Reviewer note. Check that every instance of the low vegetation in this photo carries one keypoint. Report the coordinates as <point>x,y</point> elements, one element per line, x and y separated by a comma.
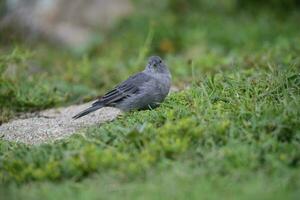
<point>233,131</point>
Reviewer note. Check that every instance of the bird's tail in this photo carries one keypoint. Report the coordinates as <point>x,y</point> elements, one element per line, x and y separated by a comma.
<point>87,111</point>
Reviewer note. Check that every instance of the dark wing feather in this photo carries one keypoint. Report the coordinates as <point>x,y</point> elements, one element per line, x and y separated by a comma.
<point>122,91</point>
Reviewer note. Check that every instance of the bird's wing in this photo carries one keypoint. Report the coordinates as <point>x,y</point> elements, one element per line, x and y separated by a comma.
<point>125,89</point>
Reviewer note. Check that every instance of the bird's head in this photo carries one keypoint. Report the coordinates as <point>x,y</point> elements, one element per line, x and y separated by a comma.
<point>156,65</point>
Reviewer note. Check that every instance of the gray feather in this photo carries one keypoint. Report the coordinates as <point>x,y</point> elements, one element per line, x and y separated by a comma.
<point>87,111</point>
<point>143,90</point>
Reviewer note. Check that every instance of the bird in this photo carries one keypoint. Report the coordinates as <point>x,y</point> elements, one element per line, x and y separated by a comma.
<point>144,90</point>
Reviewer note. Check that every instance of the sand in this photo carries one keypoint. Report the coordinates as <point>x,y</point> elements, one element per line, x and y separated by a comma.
<point>53,124</point>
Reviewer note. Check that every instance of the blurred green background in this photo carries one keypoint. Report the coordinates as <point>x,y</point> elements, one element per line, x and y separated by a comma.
<point>233,132</point>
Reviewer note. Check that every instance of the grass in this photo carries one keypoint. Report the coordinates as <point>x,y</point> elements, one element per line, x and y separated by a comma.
<point>234,133</point>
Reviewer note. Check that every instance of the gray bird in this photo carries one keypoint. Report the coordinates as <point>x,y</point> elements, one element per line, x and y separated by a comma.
<point>143,90</point>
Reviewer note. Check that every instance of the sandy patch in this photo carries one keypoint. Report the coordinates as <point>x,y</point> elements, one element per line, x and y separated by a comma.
<point>54,124</point>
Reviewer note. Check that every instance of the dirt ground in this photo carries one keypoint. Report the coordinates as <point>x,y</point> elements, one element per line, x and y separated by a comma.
<point>53,124</point>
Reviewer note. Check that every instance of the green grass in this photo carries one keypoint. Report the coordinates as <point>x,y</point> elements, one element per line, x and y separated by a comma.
<point>234,133</point>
